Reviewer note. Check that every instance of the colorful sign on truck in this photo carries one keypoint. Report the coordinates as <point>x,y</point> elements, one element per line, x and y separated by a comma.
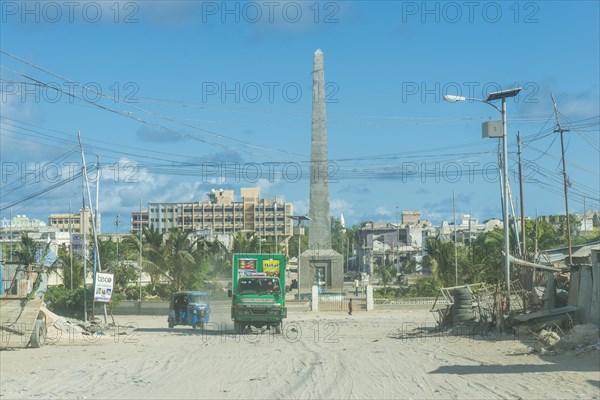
<point>258,291</point>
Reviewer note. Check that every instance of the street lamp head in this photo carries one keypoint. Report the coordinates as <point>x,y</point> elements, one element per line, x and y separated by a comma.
<point>453,98</point>
<point>299,217</point>
<point>503,94</point>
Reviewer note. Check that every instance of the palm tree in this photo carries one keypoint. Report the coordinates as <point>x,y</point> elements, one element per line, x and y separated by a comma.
<point>440,259</point>
<point>180,255</point>
<point>243,244</point>
<point>27,251</point>
<point>65,262</point>
<point>213,258</point>
<point>386,272</point>
<point>153,250</point>
<point>107,253</point>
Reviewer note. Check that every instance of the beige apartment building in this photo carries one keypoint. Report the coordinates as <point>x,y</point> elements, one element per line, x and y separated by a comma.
<point>223,215</point>
<point>72,222</point>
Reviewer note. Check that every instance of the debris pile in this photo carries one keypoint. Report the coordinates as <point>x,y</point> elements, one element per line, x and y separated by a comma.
<point>546,340</point>
<point>58,326</point>
<point>582,338</point>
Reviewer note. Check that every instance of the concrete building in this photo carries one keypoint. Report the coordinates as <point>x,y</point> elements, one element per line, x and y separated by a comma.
<point>72,222</point>
<point>411,217</point>
<point>36,229</point>
<point>139,220</point>
<point>580,254</point>
<point>586,222</point>
<point>467,228</point>
<point>221,214</point>
<point>43,236</point>
<point>382,242</point>
<point>21,222</point>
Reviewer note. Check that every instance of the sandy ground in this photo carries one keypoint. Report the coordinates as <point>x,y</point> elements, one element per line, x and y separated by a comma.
<point>320,356</point>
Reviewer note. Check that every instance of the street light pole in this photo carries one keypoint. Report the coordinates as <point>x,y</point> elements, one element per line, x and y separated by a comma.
<point>299,218</point>
<point>298,265</point>
<point>501,95</point>
<point>505,202</point>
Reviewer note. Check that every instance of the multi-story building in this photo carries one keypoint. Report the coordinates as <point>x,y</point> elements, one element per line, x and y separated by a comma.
<point>47,241</point>
<point>382,242</point>
<point>71,222</point>
<point>468,228</point>
<point>223,215</point>
<point>21,222</point>
<point>139,219</point>
<point>11,230</point>
<point>411,217</point>
<point>586,222</point>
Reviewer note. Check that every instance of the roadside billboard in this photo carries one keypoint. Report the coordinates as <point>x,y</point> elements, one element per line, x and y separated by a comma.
<point>103,286</point>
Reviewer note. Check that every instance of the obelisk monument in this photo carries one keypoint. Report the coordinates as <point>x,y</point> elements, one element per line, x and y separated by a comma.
<point>321,265</point>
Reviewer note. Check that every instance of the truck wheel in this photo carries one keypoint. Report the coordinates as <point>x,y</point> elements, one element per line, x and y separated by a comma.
<point>238,327</point>
<point>38,336</point>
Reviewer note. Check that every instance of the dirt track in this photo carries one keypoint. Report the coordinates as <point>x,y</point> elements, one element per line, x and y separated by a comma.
<point>319,356</point>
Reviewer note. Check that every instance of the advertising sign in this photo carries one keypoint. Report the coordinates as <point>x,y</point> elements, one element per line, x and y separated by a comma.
<point>103,286</point>
<point>247,266</point>
<point>271,267</point>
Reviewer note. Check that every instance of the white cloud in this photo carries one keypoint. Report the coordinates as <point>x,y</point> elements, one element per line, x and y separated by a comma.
<point>382,211</point>
<point>340,206</point>
<point>301,207</point>
<point>264,187</point>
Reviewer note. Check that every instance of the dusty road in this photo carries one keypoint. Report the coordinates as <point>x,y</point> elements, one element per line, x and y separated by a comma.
<point>319,356</point>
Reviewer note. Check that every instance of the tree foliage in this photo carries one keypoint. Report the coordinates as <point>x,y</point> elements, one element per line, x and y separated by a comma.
<point>67,262</point>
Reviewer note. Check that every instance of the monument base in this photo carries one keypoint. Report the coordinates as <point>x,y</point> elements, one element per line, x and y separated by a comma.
<point>323,264</point>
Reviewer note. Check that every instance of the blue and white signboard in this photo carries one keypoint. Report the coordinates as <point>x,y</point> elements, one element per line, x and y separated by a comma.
<point>103,286</point>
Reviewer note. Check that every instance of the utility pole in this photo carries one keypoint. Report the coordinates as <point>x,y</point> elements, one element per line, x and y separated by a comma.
<point>397,241</point>
<point>535,248</point>
<point>275,223</point>
<point>584,220</point>
<point>117,222</point>
<point>514,217</point>
<point>523,237</point>
<point>94,227</point>
<point>96,254</point>
<point>565,179</point>
<point>470,245</point>
<point>455,249</point>
<point>140,260</point>
<point>10,224</point>
<point>71,245</point>
<point>82,221</point>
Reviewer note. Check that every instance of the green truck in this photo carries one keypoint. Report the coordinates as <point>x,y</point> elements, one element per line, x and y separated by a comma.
<point>258,291</point>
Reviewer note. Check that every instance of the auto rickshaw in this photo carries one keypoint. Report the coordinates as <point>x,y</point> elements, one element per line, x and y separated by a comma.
<point>189,308</point>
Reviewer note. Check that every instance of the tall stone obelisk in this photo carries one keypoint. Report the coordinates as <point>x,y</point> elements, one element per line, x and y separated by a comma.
<point>320,264</point>
<point>320,227</point>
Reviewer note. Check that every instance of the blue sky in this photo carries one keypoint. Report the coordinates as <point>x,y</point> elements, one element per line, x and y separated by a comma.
<point>178,92</point>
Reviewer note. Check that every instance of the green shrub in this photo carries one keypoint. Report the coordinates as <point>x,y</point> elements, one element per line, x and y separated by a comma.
<point>66,302</point>
<point>161,290</point>
<point>426,287</point>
